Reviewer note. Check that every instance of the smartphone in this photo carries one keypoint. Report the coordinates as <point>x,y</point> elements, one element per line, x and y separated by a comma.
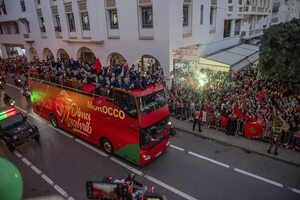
<point>104,191</point>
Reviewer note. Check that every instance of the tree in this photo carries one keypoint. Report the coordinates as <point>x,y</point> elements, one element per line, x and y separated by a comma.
<point>279,53</point>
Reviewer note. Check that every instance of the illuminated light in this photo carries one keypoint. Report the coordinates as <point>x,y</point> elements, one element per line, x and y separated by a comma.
<point>146,157</point>
<point>9,110</point>
<point>8,114</point>
<point>35,96</point>
<point>202,79</point>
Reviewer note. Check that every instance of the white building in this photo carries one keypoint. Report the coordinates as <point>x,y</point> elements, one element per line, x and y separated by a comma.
<point>170,32</point>
<point>284,11</point>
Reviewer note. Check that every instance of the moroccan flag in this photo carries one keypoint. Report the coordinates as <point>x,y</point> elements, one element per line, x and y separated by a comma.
<point>224,121</point>
<point>88,88</point>
<point>98,65</point>
<point>253,129</point>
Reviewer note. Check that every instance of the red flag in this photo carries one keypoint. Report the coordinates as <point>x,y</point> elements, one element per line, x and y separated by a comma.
<point>253,129</point>
<point>99,101</point>
<point>88,88</point>
<point>224,121</point>
<point>98,65</point>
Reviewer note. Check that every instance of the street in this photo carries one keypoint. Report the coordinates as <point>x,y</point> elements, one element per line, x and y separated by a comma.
<point>192,168</point>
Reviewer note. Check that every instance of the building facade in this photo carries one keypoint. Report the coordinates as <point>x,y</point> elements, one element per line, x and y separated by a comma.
<point>284,11</point>
<point>172,33</point>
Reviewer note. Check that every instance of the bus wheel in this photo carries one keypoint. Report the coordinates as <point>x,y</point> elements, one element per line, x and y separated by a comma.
<point>53,121</point>
<point>107,146</point>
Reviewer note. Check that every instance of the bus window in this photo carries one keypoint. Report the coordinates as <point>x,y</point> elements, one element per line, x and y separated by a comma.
<point>152,102</point>
<point>126,103</point>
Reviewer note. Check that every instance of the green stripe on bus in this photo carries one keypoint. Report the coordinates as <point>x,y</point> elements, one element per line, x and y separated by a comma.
<point>130,152</point>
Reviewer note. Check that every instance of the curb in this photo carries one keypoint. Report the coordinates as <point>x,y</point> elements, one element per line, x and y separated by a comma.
<point>237,146</point>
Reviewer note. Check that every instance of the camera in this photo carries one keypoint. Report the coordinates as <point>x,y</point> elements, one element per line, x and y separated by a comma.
<point>113,191</point>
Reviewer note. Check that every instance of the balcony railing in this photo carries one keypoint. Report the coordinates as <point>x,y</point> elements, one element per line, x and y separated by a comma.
<point>58,34</point>
<point>27,38</point>
<point>253,10</point>
<point>43,35</point>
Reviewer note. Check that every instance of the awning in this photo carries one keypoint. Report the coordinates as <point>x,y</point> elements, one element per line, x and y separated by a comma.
<point>234,58</point>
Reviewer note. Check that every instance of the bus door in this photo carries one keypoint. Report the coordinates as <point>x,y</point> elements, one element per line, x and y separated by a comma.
<point>129,126</point>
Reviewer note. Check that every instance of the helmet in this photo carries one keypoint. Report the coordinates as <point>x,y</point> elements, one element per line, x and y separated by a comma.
<point>130,176</point>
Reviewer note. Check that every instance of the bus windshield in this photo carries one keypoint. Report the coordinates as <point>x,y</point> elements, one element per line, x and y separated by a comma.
<point>154,134</point>
<point>152,102</point>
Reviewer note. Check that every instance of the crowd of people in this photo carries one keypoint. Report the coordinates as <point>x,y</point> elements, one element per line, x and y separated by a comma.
<point>226,100</point>
<point>14,64</point>
<point>240,98</point>
<point>118,76</point>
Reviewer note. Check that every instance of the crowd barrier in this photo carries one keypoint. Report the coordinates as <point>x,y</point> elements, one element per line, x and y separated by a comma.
<point>72,83</point>
<point>238,127</point>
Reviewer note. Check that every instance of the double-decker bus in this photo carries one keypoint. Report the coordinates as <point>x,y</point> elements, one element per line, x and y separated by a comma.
<point>133,124</point>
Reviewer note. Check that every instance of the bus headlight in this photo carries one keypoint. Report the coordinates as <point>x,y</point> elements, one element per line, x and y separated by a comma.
<point>146,157</point>
<point>170,123</point>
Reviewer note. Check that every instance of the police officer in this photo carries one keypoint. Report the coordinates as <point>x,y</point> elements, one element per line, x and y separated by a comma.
<point>275,134</point>
<point>197,119</point>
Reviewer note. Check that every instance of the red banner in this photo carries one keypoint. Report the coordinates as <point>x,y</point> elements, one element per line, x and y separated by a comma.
<point>224,121</point>
<point>253,129</point>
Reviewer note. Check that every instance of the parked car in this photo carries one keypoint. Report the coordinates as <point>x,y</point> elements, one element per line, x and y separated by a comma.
<point>14,128</point>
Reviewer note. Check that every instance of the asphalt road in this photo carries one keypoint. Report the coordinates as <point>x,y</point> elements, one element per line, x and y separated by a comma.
<point>192,168</point>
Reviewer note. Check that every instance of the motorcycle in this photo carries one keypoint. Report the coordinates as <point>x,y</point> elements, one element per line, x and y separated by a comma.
<point>172,129</point>
<point>2,84</point>
<point>18,81</point>
<point>9,101</point>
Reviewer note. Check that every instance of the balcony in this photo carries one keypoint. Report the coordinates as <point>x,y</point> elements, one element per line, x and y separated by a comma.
<point>229,10</point>
<point>27,38</point>
<point>253,10</point>
<point>43,35</point>
<point>251,34</point>
<point>58,35</point>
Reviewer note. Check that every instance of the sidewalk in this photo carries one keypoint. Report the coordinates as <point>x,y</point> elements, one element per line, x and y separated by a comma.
<point>260,147</point>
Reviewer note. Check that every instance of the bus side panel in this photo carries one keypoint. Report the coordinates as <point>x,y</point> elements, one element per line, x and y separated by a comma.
<point>88,118</point>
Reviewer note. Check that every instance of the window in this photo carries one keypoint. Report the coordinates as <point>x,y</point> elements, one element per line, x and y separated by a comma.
<point>229,1</point>
<point>27,27</point>
<point>201,14</point>
<point>1,30</point>
<point>227,28</point>
<point>113,17</point>
<point>126,103</point>
<point>85,21</point>
<point>16,28</point>
<point>71,21</point>
<point>240,2</point>
<point>185,15</point>
<point>23,7</point>
<point>38,1</point>
<point>42,26</point>
<point>70,17</point>
<point>147,19</point>
<point>237,27</point>
<point>211,17</point>
<point>57,20</point>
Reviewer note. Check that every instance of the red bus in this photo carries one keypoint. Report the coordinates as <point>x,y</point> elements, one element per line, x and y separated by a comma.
<point>133,124</point>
